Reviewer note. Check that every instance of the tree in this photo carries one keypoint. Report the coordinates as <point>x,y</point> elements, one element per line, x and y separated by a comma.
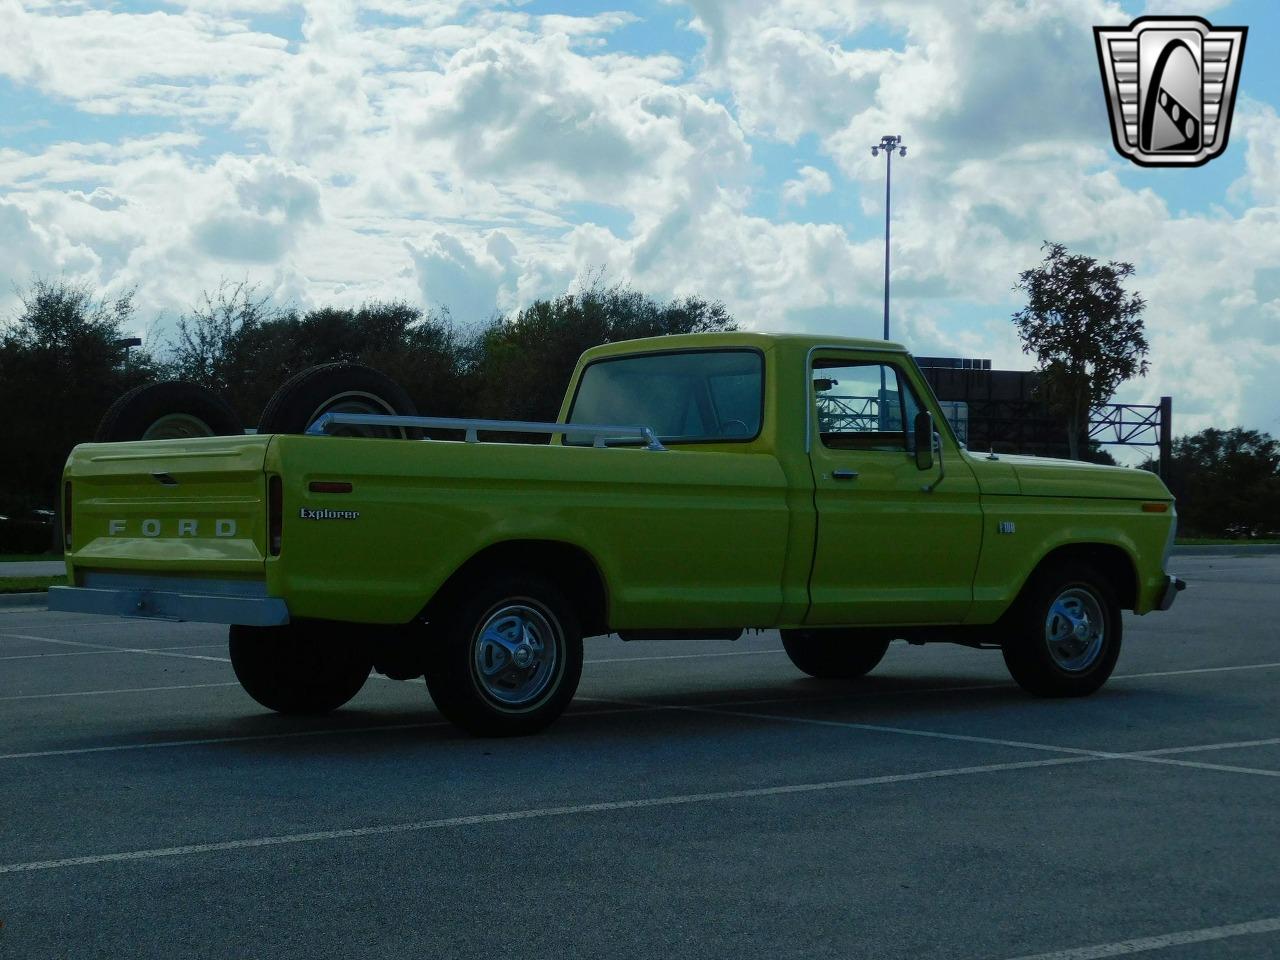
<point>234,341</point>
<point>1227,483</point>
<point>1085,331</point>
<point>61,366</point>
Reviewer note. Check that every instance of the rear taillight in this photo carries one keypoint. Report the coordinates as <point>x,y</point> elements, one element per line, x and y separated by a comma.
<point>66,515</point>
<point>275,516</point>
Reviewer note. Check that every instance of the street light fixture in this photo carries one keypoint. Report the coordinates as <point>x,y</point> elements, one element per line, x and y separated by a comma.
<point>124,343</point>
<point>888,144</point>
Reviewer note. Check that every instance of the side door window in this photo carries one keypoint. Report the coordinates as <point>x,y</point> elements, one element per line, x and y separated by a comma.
<point>863,406</point>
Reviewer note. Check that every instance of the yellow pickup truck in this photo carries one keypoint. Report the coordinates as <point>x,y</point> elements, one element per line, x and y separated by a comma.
<point>693,486</point>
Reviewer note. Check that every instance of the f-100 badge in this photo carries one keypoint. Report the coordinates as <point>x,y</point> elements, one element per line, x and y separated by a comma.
<point>1170,84</point>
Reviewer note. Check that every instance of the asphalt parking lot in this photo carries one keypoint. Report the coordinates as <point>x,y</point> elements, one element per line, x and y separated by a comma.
<point>699,800</point>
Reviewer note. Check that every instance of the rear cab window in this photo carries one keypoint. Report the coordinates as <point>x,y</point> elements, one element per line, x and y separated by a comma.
<point>687,396</point>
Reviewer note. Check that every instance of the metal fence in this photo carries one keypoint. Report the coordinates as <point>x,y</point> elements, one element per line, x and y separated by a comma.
<point>1022,424</point>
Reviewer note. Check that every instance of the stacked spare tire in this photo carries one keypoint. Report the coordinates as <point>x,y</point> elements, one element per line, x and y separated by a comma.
<point>182,410</point>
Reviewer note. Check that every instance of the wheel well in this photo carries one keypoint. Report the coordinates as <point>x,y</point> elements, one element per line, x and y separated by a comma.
<point>572,569</point>
<point>1108,559</point>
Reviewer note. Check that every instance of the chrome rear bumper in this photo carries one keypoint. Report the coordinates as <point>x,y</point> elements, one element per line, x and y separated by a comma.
<point>1172,587</point>
<point>172,598</point>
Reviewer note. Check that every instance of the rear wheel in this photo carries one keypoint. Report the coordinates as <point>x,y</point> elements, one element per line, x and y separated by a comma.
<point>1064,635</point>
<point>505,657</point>
<point>173,410</point>
<point>336,388</point>
<point>835,654</point>
<point>300,668</point>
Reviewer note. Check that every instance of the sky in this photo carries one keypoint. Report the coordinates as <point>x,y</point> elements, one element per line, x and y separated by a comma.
<point>477,155</point>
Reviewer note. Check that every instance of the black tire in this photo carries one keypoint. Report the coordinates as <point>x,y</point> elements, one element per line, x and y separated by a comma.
<point>302,668</point>
<point>1047,667</point>
<point>165,411</point>
<point>456,654</point>
<point>835,654</point>
<point>336,387</point>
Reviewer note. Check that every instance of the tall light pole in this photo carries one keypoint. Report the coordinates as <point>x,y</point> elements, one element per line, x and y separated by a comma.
<point>888,144</point>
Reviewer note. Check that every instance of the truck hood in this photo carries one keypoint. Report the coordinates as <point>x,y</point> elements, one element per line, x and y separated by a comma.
<point>1048,477</point>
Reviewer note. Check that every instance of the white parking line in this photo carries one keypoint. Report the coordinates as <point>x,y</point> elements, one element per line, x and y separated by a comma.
<point>1142,944</point>
<point>1239,744</point>
<point>962,687</point>
<point>206,741</point>
<point>1142,756</point>
<point>106,648</point>
<point>1157,757</point>
<point>77,653</point>
<point>535,813</point>
<point>99,693</point>
<point>1180,673</point>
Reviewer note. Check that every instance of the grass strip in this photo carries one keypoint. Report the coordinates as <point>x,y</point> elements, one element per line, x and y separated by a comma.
<point>30,584</point>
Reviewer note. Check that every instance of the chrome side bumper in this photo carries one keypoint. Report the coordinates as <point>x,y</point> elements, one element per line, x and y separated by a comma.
<point>1172,587</point>
<point>169,598</point>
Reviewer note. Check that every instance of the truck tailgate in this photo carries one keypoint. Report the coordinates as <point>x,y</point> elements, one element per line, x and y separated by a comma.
<point>172,506</point>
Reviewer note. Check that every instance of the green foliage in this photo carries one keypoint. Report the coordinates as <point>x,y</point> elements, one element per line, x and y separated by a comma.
<point>31,584</point>
<point>61,366</point>
<point>1227,483</point>
<point>236,343</point>
<point>1085,331</point>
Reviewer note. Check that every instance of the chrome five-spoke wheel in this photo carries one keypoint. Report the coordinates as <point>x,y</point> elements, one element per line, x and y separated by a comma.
<point>517,653</point>
<point>505,653</point>
<point>1062,637</point>
<point>1075,630</point>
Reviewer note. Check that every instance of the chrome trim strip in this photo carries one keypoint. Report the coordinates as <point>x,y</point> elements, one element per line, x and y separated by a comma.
<point>148,604</point>
<point>202,586</point>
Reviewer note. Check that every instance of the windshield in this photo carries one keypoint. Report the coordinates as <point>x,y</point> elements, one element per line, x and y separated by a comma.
<point>709,395</point>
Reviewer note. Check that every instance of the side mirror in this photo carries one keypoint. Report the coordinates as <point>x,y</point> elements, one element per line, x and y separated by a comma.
<point>924,440</point>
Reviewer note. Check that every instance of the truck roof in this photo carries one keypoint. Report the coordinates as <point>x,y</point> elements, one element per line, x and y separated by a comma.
<point>737,338</point>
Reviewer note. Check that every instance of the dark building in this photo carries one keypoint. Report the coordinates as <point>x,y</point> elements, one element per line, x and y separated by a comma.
<point>994,409</point>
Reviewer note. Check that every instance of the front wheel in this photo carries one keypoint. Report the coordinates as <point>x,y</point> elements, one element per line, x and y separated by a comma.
<point>1064,636</point>
<point>305,668</point>
<point>835,654</point>
<point>505,656</point>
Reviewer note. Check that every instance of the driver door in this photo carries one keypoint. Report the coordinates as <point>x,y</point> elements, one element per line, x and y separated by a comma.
<point>888,551</point>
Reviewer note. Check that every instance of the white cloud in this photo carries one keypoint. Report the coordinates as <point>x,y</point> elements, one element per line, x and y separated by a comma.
<point>1259,126</point>
<point>472,282</point>
<point>142,63</point>
<point>23,61</point>
<point>478,156</point>
<point>812,182</point>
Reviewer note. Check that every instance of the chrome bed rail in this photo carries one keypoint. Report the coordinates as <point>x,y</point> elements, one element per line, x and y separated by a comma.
<point>599,432</point>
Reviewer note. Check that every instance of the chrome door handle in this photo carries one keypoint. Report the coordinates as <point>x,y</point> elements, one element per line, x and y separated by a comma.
<point>844,474</point>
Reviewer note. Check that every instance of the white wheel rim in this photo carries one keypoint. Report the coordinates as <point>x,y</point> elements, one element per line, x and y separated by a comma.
<point>177,426</point>
<point>356,401</point>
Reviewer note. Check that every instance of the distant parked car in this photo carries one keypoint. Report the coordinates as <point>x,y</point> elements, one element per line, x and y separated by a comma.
<point>26,531</point>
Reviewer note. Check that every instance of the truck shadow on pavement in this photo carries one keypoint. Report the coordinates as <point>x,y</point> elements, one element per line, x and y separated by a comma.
<point>601,720</point>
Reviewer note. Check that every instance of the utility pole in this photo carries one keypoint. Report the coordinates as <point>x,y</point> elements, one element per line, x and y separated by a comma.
<point>888,144</point>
